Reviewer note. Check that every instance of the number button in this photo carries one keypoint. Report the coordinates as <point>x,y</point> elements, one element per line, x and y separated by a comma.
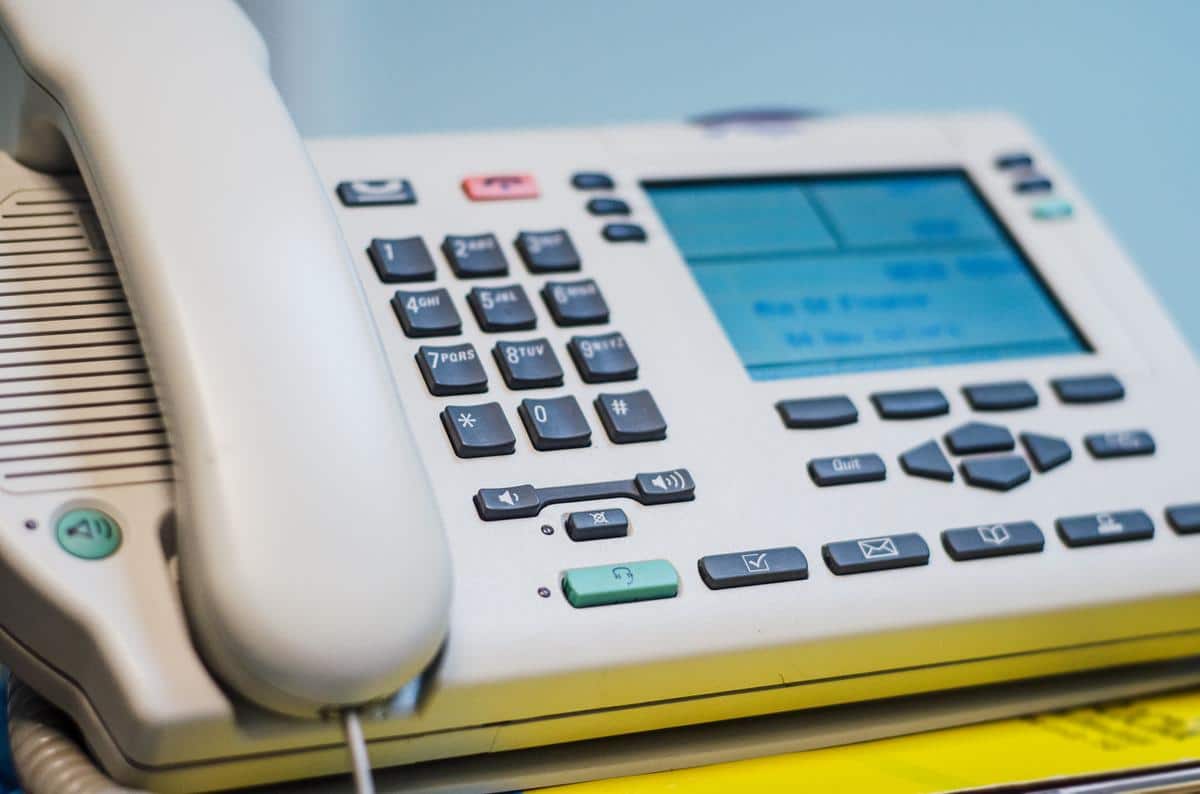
<point>575,302</point>
<point>547,252</point>
<point>428,313</point>
<point>502,308</point>
<point>604,358</point>
<point>528,365</point>
<point>475,255</point>
<point>452,370</point>
<point>631,417</point>
<point>398,260</point>
<point>556,423</point>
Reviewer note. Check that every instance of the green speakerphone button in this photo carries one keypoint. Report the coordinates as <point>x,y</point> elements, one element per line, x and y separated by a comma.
<point>88,533</point>
<point>617,584</point>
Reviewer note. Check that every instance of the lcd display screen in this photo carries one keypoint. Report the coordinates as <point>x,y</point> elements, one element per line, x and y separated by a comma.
<point>846,273</point>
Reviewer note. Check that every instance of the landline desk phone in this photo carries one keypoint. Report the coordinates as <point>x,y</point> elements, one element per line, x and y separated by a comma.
<point>560,435</point>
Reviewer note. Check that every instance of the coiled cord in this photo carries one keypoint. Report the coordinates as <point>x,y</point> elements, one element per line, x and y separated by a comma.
<point>45,753</point>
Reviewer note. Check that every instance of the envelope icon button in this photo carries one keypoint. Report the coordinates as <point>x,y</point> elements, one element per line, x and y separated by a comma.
<point>875,548</point>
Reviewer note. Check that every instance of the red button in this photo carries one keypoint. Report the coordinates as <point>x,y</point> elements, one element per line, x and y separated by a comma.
<point>497,187</point>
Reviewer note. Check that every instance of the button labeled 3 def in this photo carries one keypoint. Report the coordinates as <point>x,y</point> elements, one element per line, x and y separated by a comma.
<point>88,533</point>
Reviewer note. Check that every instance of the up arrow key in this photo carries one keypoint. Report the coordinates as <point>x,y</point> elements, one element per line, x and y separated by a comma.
<point>516,501</point>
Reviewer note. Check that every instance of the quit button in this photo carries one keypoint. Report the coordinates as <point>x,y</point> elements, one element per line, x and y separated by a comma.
<point>620,583</point>
<point>846,469</point>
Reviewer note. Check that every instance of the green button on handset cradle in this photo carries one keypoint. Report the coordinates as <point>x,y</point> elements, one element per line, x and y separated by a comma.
<point>88,533</point>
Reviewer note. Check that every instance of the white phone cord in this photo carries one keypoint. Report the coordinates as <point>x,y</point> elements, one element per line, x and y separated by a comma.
<point>359,760</point>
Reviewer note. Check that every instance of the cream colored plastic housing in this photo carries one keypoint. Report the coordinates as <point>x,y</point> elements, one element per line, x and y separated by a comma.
<point>108,640</point>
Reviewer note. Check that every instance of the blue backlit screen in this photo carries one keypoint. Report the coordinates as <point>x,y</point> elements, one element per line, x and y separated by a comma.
<point>818,275</point>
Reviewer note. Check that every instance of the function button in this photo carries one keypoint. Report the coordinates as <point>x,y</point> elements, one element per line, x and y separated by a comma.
<point>1052,210</point>
<point>597,524</point>
<point>1092,530</point>
<point>1184,519</point>
<point>516,501</point>
<point>499,187</point>
<point>1088,389</point>
<point>1124,444</point>
<point>876,554</point>
<point>624,233</point>
<point>604,358</point>
<point>474,255</point>
<point>88,533</point>
<point>528,365</point>
<point>631,417</point>
<point>591,180</point>
<point>1012,161</point>
<point>663,487</point>
<point>575,302</point>
<point>813,412</point>
<point>993,540</point>
<point>428,313</point>
<point>455,369</point>
<point>555,423</point>
<point>1046,452</point>
<point>619,584</point>
<point>402,259</point>
<point>915,404</point>
<point>478,430</point>
<point>927,461</point>
<point>502,308</point>
<point>1007,396</point>
<point>1034,183</point>
<point>547,252</point>
<point>368,192</point>
<point>1000,473</point>
<point>976,437</point>
<point>761,566</point>
<point>607,206</point>
<point>847,469</point>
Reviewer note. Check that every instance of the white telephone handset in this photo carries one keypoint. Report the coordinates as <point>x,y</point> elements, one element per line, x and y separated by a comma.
<point>306,526</point>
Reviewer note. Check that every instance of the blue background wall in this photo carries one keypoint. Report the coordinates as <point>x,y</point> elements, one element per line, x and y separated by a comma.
<point>1110,86</point>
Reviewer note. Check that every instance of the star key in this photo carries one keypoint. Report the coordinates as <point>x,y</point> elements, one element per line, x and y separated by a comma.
<point>477,431</point>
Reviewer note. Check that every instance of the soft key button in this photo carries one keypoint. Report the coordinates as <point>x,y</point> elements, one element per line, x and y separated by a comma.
<point>624,233</point>
<point>914,404</point>
<point>760,566</point>
<point>815,412</point>
<point>474,255</point>
<point>1007,396</point>
<point>876,554</point>
<point>528,365</point>
<point>591,180</point>
<point>502,308</point>
<point>1184,519</point>
<point>500,187</point>
<point>847,469</point>
<point>547,252</point>
<point>1124,444</point>
<point>1088,389</point>
<point>604,358</point>
<point>454,369</point>
<point>621,583</point>
<point>575,302</point>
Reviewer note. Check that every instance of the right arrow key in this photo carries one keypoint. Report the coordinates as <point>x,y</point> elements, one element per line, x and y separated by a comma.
<point>1046,452</point>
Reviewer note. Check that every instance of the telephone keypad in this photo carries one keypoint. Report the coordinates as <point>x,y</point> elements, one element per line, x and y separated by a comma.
<point>555,423</point>
<point>528,365</point>
<point>400,260</point>
<point>427,313</point>
<point>548,251</point>
<point>475,255</point>
<point>478,430</point>
<point>502,308</point>
<point>575,302</point>
<point>631,417</point>
<point>453,369</point>
<point>604,358</point>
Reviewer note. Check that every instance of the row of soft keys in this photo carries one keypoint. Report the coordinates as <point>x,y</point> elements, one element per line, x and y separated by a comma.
<point>651,579</point>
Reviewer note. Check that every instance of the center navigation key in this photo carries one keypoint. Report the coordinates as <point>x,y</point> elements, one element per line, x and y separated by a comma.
<point>515,501</point>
